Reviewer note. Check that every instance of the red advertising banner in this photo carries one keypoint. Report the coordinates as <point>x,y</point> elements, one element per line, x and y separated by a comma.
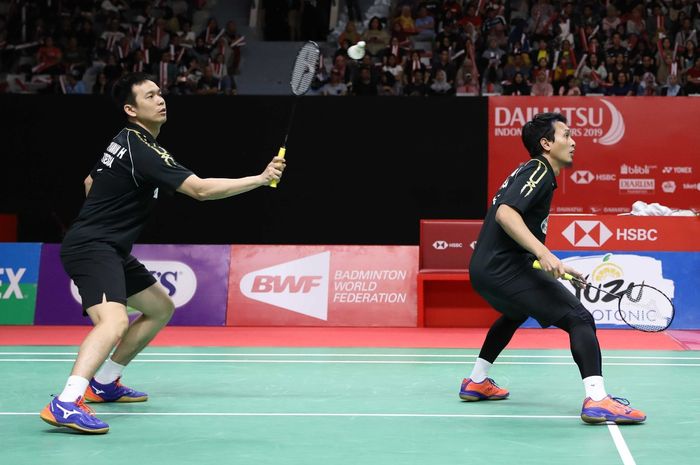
<point>627,149</point>
<point>623,233</point>
<point>289,285</point>
<point>447,245</point>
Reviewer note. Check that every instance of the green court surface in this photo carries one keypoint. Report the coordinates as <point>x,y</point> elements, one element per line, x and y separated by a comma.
<point>353,406</point>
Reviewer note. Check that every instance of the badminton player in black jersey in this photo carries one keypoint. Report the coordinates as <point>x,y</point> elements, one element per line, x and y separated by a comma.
<point>120,192</point>
<point>511,239</point>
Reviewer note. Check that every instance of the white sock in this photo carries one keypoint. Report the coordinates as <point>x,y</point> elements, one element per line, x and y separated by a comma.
<point>109,372</point>
<point>75,387</point>
<point>595,387</point>
<point>480,370</point>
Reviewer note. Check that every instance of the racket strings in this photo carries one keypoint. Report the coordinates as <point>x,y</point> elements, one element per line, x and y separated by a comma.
<point>646,308</point>
<point>305,67</point>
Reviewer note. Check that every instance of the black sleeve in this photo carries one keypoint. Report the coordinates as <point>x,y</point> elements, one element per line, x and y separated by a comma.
<point>530,184</point>
<point>154,165</point>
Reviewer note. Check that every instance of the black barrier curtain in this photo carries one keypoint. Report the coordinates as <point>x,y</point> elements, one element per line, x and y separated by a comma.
<point>360,170</point>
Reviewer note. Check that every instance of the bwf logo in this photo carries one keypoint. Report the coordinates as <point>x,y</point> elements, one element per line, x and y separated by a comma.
<point>587,233</point>
<point>299,285</point>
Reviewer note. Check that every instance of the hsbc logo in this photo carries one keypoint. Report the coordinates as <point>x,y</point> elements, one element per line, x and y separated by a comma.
<point>587,233</point>
<point>586,177</point>
<point>444,245</point>
<point>300,285</point>
<point>582,177</point>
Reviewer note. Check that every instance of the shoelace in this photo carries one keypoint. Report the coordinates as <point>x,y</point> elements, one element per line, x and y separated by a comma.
<point>84,407</point>
<point>492,382</point>
<point>621,400</point>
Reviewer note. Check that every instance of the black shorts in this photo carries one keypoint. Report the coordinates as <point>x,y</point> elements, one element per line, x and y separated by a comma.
<point>532,293</point>
<point>99,272</point>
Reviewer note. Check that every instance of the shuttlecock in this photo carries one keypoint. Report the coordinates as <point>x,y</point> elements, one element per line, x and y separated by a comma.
<point>357,51</point>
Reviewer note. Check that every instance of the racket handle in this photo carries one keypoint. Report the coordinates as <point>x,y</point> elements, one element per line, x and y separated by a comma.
<point>280,154</point>
<point>536,265</point>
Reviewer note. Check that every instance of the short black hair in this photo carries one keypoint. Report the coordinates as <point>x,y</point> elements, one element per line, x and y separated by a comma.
<point>541,126</point>
<point>123,90</point>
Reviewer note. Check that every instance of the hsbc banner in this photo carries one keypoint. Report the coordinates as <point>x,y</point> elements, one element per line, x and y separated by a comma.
<point>674,273</point>
<point>285,285</point>
<point>605,233</point>
<point>194,276</point>
<point>447,245</point>
<point>622,150</point>
<point>19,275</point>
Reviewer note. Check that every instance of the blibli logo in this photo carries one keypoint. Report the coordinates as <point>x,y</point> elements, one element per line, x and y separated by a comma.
<point>178,279</point>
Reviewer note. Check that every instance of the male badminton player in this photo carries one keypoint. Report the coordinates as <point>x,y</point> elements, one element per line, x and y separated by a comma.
<point>121,191</point>
<point>501,271</point>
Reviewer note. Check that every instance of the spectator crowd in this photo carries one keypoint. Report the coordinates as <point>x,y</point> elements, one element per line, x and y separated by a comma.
<point>421,47</point>
<point>520,47</point>
<point>84,46</point>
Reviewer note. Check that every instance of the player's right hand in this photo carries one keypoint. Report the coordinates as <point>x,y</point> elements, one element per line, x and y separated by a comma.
<point>551,264</point>
<point>274,169</point>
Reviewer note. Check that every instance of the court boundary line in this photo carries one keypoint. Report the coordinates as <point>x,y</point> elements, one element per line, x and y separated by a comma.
<point>621,445</point>
<point>320,414</point>
<point>368,355</point>
<point>348,362</point>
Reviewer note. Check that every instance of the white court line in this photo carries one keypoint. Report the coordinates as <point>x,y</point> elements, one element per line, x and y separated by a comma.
<point>243,354</point>
<point>357,362</point>
<point>621,445</point>
<point>306,414</point>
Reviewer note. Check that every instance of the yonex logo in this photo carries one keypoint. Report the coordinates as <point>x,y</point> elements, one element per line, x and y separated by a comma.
<point>440,245</point>
<point>14,278</point>
<point>299,285</point>
<point>582,177</point>
<point>587,233</point>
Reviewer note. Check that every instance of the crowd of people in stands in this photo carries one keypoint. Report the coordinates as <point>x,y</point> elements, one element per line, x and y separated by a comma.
<point>521,47</point>
<point>423,47</point>
<point>84,46</point>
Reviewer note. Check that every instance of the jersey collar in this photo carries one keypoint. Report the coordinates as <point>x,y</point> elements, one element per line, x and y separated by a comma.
<point>141,131</point>
<point>549,167</point>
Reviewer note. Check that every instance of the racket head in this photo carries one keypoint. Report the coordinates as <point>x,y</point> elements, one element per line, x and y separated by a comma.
<point>305,67</point>
<point>646,308</point>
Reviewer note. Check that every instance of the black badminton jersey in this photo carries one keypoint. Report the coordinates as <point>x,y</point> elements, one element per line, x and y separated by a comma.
<point>126,183</point>
<point>529,190</point>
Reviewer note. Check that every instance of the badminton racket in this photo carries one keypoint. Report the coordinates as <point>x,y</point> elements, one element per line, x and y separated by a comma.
<point>303,74</point>
<point>641,306</point>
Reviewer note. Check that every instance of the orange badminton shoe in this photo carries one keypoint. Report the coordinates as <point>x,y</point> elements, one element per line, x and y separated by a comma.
<point>485,390</point>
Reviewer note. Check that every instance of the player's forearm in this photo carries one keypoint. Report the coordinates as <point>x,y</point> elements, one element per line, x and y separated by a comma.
<point>512,223</point>
<point>221,188</point>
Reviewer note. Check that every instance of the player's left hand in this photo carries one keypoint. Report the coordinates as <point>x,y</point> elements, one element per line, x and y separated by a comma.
<point>580,281</point>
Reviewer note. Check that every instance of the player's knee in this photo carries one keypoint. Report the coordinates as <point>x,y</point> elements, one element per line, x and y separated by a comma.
<point>116,324</point>
<point>577,317</point>
<point>585,316</point>
<point>165,310</point>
